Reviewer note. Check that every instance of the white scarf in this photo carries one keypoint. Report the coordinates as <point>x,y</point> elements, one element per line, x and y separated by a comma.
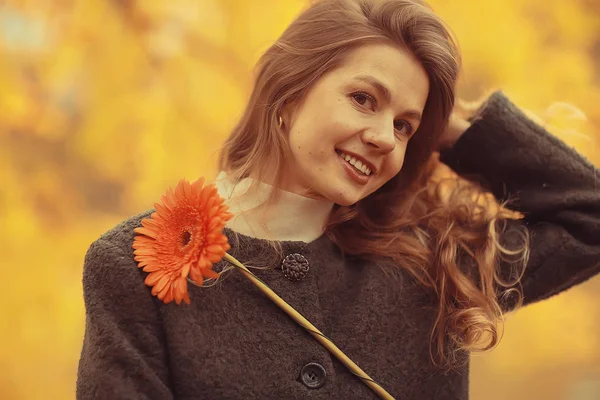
<point>292,218</point>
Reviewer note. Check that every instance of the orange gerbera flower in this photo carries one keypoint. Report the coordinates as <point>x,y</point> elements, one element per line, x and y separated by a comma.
<point>183,237</point>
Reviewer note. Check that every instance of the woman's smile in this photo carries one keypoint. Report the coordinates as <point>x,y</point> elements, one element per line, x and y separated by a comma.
<point>352,171</point>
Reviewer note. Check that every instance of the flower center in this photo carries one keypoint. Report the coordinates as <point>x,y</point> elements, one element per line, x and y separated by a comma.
<point>186,236</point>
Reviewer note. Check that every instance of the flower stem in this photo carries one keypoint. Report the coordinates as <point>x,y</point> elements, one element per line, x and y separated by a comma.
<point>320,337</point>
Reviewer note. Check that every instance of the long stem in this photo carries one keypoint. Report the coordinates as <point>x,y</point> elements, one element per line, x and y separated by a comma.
<point>328,344</point>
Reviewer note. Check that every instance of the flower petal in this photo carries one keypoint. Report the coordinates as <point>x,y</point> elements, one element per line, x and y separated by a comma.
<point>207,193</point>
<point>141,241</point>
<point>162,283</point>
<point>196,276</point>
<point>214,258</point>
<point>144,252</point>
<point>151,267</point>
<point>214,248</point>
<point>169,199</point>
<point>209,273</point>
<point>210,204</point>
<point>179,289</point>
<point>197,188</point>
<point>214,222</point>
<point>187,190</point>
<point>152,223</point>
<point>169,296</point>
<point>161,209</point>
<point>153,278</point>
<point>203,262</point>
<point>162,293</point>
<point>185,270</point>
<point>179,191</point>
<point>145,231</point>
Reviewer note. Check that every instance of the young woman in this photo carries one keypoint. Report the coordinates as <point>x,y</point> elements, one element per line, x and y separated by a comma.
<point>336,148</point>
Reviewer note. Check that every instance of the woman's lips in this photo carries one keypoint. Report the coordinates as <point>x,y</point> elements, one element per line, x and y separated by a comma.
<point>353,173</point>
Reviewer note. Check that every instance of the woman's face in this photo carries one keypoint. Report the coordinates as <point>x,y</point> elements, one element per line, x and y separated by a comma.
<point>366,110</point>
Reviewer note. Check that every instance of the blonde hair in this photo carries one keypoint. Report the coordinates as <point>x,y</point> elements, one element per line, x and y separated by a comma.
<point>438,230</point>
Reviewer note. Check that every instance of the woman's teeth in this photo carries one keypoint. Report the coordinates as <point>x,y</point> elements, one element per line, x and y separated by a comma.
<point>355,163</point>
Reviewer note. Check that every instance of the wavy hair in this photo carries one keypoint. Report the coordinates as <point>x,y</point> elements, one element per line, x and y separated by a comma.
<point>440,230</point>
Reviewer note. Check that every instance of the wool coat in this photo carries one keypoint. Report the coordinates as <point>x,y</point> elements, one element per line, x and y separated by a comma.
<point>232,342</point>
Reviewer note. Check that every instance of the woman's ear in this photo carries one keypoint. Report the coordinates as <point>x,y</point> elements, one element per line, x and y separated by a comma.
<point>287,114</point>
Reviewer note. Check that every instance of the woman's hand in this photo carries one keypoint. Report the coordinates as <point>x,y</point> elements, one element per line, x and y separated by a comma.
<point>456,127</point>
<point>458,122</point>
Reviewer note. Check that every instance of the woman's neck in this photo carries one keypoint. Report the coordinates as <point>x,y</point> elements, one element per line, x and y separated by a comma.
<point>291,218</point>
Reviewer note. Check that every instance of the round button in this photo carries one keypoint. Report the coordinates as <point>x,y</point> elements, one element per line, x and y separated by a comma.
<point>294,266</point>
<point>313,375</point>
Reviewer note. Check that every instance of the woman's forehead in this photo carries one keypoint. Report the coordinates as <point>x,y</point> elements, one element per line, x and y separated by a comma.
<point>388,69</point>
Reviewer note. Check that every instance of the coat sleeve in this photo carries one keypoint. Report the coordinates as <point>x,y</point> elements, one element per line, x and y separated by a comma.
<point>553,186</point>
<point>124,354</point>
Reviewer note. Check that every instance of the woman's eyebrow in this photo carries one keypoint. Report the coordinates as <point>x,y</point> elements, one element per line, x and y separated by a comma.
<point>386,94</point>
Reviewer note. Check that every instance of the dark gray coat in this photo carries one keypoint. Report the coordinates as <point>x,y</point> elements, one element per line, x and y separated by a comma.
<point>234,343</point>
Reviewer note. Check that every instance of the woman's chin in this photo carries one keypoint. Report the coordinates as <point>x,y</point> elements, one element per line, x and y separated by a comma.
<point>346,199</point>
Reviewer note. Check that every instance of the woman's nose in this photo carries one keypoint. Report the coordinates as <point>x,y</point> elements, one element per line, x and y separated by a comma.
<point>382,137</point>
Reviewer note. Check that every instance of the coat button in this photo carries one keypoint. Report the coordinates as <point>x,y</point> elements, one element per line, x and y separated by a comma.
<point>313,375</point>
<point>294,266</point>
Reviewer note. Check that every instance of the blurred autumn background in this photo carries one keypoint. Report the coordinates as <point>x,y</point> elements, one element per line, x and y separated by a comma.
<point>105,103</point>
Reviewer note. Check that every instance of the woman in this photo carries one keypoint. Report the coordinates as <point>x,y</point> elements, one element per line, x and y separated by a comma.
<point>336,146</point>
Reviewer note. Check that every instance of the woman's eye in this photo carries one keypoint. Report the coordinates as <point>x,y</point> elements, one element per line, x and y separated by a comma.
<point>404,127</point>
<point>366,100</point>
<point>363,99</point>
